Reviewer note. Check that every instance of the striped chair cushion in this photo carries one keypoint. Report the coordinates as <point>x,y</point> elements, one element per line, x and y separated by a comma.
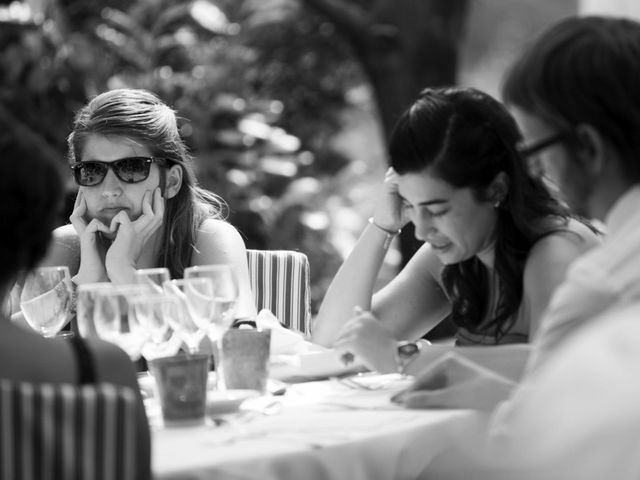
<point>67,432</point>
<point>280,283</point>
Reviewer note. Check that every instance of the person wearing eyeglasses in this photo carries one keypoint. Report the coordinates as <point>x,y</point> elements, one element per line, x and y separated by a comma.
<point>138,203</point>
<point>575,92</point>
<point>496,241</point>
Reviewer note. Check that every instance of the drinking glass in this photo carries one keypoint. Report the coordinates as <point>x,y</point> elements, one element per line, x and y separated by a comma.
<point>195,297</point>
<point>84,307</point>
<point>45,300</point>
<point>152,312</point>
<point>153,278</point>
<point>114,320</point>
<point>225,293</point>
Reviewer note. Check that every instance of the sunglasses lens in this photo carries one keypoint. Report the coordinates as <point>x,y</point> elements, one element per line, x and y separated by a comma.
<point>88,174</point>
<point>132,170</point>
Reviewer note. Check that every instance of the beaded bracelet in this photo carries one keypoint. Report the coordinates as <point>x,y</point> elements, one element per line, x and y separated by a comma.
<point>391,234</point>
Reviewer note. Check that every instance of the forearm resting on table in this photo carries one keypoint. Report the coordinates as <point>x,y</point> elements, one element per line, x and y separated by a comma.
<point>353,285</point>
<point>506,360</point>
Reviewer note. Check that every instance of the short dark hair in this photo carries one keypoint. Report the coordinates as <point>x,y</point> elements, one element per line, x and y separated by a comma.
<point>32,196</point>
<point>584,70</point>
<point>466,138</point>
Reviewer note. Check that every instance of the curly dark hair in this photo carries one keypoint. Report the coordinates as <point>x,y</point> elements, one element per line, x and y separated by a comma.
<point>32,197</point>
<point>466,138</point>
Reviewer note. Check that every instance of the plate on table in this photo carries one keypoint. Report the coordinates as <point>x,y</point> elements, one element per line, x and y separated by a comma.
<point>227,401</point>
<point>311,365</point>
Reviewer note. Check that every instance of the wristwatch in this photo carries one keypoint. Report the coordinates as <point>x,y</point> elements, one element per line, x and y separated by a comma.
<point>405,352</point>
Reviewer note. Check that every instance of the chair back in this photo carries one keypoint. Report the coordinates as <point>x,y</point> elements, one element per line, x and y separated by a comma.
<point>67,432</point>
<point>280,283</point>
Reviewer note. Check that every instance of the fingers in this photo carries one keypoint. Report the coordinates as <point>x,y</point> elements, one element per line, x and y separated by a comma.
<point>427,399</point>
<point>96,225</point>
<point>152,216</point>
<point>77,215</point>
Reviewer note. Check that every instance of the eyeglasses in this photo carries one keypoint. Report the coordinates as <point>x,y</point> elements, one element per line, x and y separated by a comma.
<point>129,170</point>
<point>536,147</point>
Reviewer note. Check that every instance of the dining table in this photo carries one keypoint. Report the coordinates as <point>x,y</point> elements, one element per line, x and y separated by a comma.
<point>333,428</point>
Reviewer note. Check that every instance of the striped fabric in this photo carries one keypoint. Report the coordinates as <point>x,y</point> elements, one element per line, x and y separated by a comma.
<point>280,283</point>
<point>67,432</point>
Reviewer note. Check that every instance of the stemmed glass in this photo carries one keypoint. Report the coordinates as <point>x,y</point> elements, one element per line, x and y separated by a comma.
<point>152,312</point>
<point>195,297</point>
<point>45,300</point>
<point>152,277</point>
<point>225,294</point>
<point>114,320</point>
<point>85,302</point>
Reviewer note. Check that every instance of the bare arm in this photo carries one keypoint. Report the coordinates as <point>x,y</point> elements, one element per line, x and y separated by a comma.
<point>219,242</point>
<point>506,360</point>
<point>408,306</point>
<point>547,266</point>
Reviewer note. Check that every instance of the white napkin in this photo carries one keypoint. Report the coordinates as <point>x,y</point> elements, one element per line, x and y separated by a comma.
<point>283,340</point>
<point>293,356</point>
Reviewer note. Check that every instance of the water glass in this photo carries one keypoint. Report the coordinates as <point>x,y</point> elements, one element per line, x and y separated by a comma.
<point>152,312</point>
<point>85,301</point>
<point>114,320</point>
<point>152,278</point>
<point>225,292</point>
<point>195,298</point>
<point>45,300</point>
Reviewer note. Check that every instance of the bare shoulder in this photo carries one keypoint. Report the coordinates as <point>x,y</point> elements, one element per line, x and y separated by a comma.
<point>217,227</point>
<point>66,235</point>
<point>64,248</point>
<point>218,242</point>
<point>561,246</point>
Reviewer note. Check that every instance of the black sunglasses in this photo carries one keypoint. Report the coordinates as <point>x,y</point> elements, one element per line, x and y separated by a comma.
<point>129,170</point>
<point>536,147</point>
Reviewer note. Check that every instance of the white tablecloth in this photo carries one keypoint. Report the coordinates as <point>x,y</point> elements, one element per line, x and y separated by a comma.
<point>320,430</point>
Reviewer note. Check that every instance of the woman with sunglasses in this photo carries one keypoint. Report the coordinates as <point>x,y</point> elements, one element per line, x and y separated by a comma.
<point>138,203</point>
<point>496,240</point>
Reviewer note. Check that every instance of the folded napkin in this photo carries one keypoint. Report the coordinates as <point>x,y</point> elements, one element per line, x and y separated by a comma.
<point>293,356</point>
<point>283,340</point>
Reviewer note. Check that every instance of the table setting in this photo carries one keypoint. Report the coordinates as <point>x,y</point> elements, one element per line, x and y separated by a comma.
<point>254,399</point>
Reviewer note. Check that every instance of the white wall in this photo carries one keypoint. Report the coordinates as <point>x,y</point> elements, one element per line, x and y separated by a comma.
<point>622,8</point>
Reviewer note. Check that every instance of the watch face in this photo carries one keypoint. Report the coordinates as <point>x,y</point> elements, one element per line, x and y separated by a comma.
<point>408,349</point>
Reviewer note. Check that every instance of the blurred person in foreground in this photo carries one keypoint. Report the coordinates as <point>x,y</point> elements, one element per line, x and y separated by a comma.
<point>28,181</point>
<point>138,203</point>
<point>575,415</point>
<point>497,241</point>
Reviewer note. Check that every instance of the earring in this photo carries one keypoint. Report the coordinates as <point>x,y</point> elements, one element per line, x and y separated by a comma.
<point>496,204</point>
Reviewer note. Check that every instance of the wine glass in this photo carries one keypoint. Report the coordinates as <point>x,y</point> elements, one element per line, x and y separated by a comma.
<point>84,307</point>
<point>114,320</point>
<point>152,312</point>
<point>225,293</point>
<point>195,297</point>
<point>152,277</point>
<point>45,300</point>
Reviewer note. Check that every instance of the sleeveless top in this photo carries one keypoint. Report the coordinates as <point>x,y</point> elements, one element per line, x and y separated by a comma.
<point>519,331</point>
<point>84,360</point>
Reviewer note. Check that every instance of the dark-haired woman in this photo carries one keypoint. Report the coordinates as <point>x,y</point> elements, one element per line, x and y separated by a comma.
<point>496,241</point>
